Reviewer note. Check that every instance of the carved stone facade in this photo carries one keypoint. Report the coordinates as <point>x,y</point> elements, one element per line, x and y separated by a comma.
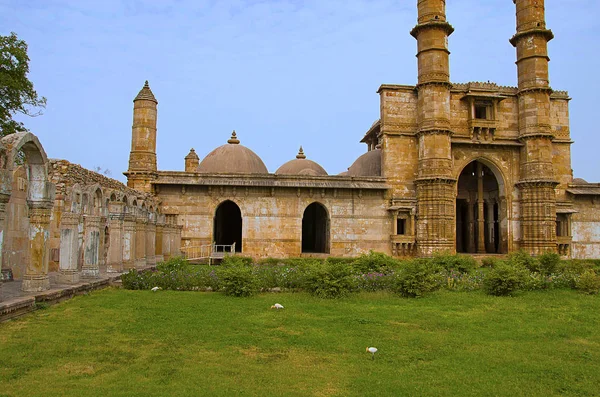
<point>473,167</point>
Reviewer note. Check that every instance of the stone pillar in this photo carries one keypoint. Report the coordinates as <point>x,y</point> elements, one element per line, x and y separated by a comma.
<point>480,211</point>
<point>158,243</point>
<point>537,183</point>
<point>91,244</point>
<point>36,276</point>
<point>102,247</point>
<point>436,191</point>
<point>151,241</point>
<point>470,243</point>
<point>115,250</point>
<point>4,198</point>
<point>176,245</point>
<point>491,246</point>
<point>69,248</point>
<point>140,241</point>
<point>129,240</point>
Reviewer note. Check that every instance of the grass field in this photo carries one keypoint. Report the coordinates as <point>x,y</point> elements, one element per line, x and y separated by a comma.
<point>139,343</point>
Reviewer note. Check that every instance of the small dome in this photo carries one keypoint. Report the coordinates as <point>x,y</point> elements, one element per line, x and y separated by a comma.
<point>369,164</point>
<point>232,158</point>
<point>301,166</point>
<point>579,181</point>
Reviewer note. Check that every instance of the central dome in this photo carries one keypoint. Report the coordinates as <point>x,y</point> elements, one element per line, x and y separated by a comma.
<point>301,166</point>
<point>232,158</point>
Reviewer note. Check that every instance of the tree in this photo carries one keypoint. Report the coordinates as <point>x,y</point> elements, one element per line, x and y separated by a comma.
<point>17,94</point>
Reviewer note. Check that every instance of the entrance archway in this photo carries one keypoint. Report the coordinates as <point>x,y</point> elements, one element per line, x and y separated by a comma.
<point>315,229</point>
<point>480,213</point>
<point>228,225</point>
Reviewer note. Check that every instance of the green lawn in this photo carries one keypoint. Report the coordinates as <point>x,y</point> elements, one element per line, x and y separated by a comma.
<point>139,343</point>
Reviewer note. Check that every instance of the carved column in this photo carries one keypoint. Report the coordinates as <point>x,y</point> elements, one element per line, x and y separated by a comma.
<point>91,243</point>
<point>102,247</point>
<point>166,241</point>
<point>69,248</point>
<point>115,250</point>
<point>470,243</point>
<point>158,243</point>
<point>36,276</point>
<point>128,241</point>
<point>491,246</point>
<point>4,198</point>
<point>480,211</point>
<point>176,246</point>
<point>140,242</point>
<point>151,241</point>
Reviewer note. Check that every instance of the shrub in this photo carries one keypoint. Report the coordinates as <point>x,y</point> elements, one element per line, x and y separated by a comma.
<point>135,280</point>
<point>457,281</point>
<point>238,280</point>
<point>548,262</point>
<point>174,264</point>
<point>523,259</point>
<point>237,260</point>
<point>416,278</point>
<point>374,262</point>
<point>374,281</point>
<point>588,282</point>
<point>461,263</point>
<point>329,280</point>
<point>489,262</point>
<point>504,280</point>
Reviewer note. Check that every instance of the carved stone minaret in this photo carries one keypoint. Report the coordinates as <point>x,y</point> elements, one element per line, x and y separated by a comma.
<point>142,158</point>
<point>435,184</point>
<point>537,183</point>
<point>191,161</point>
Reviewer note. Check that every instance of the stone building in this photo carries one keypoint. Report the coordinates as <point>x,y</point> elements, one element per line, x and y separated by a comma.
<point>457,167</point>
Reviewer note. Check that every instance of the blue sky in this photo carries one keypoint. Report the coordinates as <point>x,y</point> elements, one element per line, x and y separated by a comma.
<point>281,73</point>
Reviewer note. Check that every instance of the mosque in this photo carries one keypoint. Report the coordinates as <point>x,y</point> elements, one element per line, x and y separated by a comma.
<point>449,167</point>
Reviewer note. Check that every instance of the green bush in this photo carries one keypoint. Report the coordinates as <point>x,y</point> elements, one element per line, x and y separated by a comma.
<point>489,262</point>
<point>505,279</point>
<point>415,278</point>
<point>461,263</point>
<point>548,262</point>
<point>588,282</point>
<point>237,260</point>
<point>238,280</point>
<point>523,259</point>
<point>374,262</point>
<point>174,264</point>
<point>329,280</point>
<point>135,280</point>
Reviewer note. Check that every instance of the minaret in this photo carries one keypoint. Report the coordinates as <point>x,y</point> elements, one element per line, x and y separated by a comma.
<point>435,184</point>
<point>537,183</point>
<point>142,158</point>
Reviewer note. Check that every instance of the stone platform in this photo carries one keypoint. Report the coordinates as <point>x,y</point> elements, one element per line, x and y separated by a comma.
<point>14,302</point>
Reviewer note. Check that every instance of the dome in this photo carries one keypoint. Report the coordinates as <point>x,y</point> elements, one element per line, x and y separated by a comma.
<point>232,158</point>
<point>579,181</point>
<point>301,166</point>
<point>369,164</point>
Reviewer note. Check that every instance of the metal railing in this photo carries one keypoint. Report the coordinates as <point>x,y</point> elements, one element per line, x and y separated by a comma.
<point>208,251</point>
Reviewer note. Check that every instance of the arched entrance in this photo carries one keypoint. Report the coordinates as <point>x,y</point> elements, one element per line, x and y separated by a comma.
<point>480,213</point>
<point>315,229</point>
<point>228,225</point>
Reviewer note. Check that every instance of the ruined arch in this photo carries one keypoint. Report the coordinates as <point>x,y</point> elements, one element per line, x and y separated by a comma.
<point>315,229</point>
<point>481,210</point>
<point>40,190</point>
<point>227,225</point>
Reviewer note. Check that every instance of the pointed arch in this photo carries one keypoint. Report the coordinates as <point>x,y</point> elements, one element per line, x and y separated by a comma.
<point>481,211</point>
